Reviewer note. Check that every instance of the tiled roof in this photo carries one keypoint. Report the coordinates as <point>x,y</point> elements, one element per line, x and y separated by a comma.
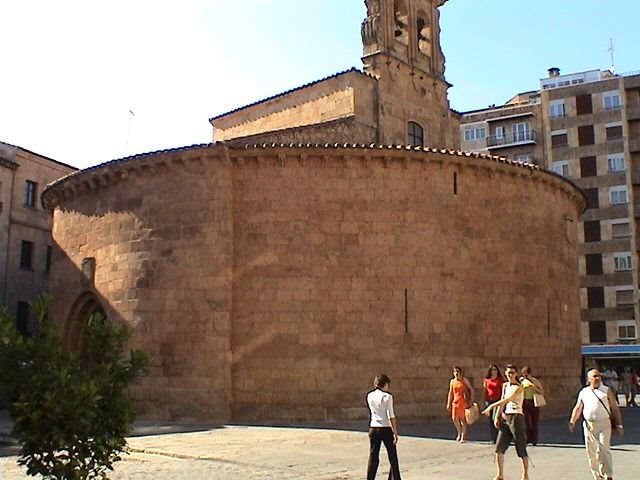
<point>125,159</point>
<point>351,146</point>
<point>282,94</point>
<point>333,146</point>
<point>39,155</point>
<point>394,147</point>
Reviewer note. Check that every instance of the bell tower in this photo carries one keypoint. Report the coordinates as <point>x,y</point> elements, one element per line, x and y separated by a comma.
<point>401,48</point>
<point>407,30</point>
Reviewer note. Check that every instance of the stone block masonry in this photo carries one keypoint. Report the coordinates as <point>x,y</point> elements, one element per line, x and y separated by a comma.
<point>272,283</point>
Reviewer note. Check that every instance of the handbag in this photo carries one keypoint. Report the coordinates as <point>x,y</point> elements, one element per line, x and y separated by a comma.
<point>614,425</point>
<point>472,414</point>
<point>539,400</point>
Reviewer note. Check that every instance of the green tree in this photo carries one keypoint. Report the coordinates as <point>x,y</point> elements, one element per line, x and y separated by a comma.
<point>71,415</point>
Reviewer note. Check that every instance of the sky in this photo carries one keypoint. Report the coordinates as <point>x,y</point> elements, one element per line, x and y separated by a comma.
<point>85,82</point>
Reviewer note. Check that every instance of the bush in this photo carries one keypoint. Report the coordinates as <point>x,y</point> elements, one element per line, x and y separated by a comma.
<point>71,416</point>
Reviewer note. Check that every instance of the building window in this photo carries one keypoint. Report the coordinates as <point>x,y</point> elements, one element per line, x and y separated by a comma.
<point>415,134</point>
<point>584,105</point>
<point>476,133</point>
<point>595,297</point>
<point>586,135</point>
<point>626,329</point>
<point>622,261</point>
<point>616,162</point>
<point>557,109</point>
<point>613,132</point>
<point>588,167</point>
<point>620,230</point>
<point>401,14</point>
<point>500,131</point>
<point>624,295</point>
<point>593,200</point>
<point>521,132</point>
<point>598,332</point>
<point>559,138</point>
<point>26,255</point>
<point>22,318</point>
<point>30,193</point>
<point>611,100</point>
<point>561,168</point>
<point>618,195</point>
<point>592,231</point>
<point>593,264</point>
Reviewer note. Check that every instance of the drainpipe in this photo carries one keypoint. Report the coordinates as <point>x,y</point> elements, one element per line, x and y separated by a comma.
<point>10,210</point>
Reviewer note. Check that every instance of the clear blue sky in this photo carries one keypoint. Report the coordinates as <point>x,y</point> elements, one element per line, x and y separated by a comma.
<point>72,69</point>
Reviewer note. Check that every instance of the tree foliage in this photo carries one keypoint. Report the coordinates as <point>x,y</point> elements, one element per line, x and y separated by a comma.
<point>71,415</point>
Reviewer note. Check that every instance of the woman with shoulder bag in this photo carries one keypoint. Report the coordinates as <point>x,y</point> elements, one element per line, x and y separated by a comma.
<point>460,398</point>
<point>532,388</point>
<point>510,422</point>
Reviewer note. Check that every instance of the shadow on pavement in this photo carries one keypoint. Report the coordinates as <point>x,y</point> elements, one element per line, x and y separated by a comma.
<point>553,431</point>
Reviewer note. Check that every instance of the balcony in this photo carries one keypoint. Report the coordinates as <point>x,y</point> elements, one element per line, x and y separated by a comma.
<point>511,139</point>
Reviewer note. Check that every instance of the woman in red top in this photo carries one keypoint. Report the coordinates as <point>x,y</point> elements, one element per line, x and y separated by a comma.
<point>492,387</point>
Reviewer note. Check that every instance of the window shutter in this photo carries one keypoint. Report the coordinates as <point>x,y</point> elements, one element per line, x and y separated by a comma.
<point>592,231</point>
<point>620,230</point>
<point>584,105</point>
<point>586,135</point>
<point>593,263</point>
<point>592,197</point>
<point>588,167</point>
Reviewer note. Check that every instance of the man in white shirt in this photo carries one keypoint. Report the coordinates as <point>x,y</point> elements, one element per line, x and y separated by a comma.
<point>382,428</point>
<point>596,403</point>
<point>610,379</point>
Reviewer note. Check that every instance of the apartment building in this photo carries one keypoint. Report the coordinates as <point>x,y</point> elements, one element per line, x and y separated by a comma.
<point>584,126</point>
<point>25,229</point>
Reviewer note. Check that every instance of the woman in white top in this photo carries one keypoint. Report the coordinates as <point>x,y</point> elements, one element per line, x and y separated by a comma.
<point>510,423</point>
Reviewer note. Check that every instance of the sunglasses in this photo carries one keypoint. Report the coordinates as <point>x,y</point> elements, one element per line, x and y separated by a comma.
<point>511,372</point>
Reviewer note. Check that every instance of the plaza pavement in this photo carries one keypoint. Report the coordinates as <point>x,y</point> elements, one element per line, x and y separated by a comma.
<point>339,452</point>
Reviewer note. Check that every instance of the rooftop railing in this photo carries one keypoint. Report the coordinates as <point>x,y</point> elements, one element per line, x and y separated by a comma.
<point>511,138</point>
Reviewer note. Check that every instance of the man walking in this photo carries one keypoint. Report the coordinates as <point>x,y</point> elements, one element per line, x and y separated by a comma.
<point>597,404</point>
<point>382,428</point>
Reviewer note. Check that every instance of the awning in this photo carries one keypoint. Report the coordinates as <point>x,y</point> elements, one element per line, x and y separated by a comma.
<point>633,349</point>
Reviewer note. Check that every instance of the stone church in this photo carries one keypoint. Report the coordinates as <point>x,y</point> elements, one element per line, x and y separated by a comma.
<point>329,233</point>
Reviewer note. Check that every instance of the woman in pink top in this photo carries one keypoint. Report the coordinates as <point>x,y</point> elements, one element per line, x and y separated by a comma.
<point>459,398</point>
<point>492,387</point>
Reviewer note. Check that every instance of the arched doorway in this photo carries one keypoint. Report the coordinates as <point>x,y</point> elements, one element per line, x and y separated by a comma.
<point>76,325</point>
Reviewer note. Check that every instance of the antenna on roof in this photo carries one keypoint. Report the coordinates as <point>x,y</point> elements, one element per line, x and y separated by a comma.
<point>611,50</point>
<point>126,144</point>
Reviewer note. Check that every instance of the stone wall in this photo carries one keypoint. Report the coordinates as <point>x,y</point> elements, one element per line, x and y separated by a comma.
<point>341,96</point>
<point>273,283</point>
<point>161,240</point>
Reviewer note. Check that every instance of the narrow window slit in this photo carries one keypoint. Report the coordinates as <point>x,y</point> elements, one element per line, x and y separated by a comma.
<point>406,311</point>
